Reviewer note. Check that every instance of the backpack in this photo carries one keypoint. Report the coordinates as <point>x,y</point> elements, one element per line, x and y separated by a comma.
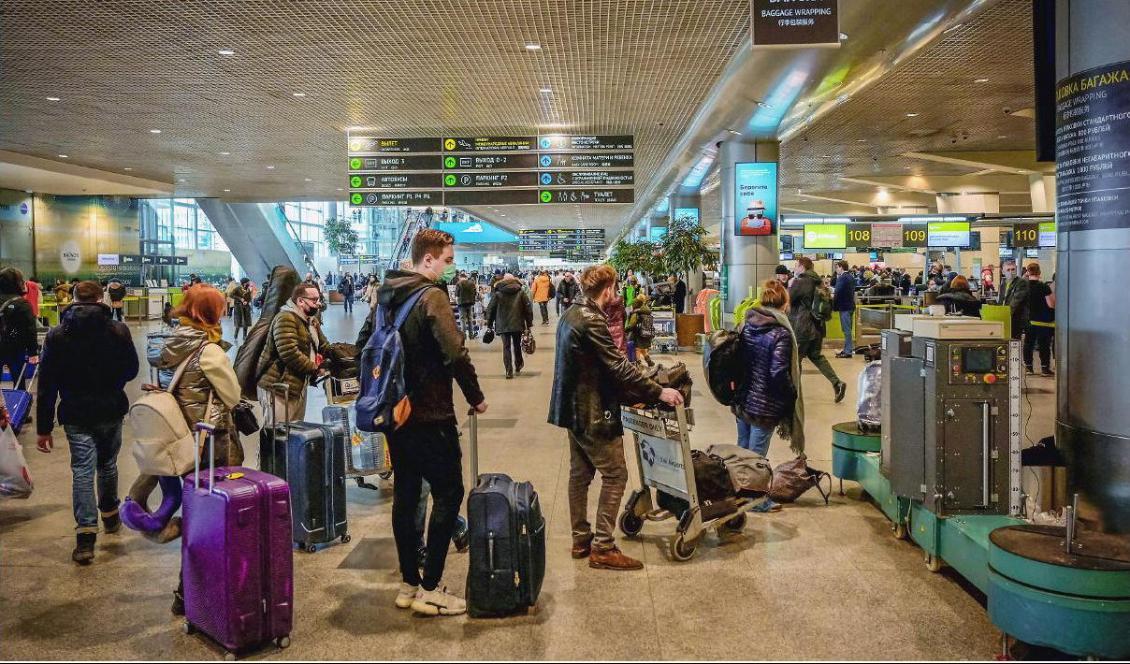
<point>821,303</point>
<point>5,331</point>
<point>645,327</point>
<point>165,444</point>
<point>723,361</point>
<point>384,405</point>
<point>552,291</point>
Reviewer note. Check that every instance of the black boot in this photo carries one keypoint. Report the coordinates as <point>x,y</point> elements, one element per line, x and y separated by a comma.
<point>111,523</point>
<point>84,548</point>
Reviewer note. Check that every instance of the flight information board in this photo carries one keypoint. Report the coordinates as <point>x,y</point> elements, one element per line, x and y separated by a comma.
<point>562,239</point>
<point>491,170</point>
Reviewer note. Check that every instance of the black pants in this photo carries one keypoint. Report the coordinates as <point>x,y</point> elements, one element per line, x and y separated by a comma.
<point>425,452</point>
<point>813,349</point>
<point>512,351</point>
<point>1038,336</point>
<point>544,311</point>
<point>467,319</point>
<point>1019,325</point>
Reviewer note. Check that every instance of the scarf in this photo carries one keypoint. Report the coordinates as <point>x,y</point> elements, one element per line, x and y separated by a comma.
<point>214,333</point>
<point>791,430</point>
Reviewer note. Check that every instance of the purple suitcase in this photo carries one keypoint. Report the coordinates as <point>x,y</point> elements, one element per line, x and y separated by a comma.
<point>18,402</point>
<point>236,557</point>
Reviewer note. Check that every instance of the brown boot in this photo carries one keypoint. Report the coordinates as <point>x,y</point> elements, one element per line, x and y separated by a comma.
<point>613,559</point>
<point>582,549</point>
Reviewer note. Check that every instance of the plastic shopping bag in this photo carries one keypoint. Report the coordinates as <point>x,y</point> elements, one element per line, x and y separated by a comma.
<point>15,480</point>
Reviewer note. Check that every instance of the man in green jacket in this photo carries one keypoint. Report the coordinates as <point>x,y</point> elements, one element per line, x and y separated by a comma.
<point>293,355</point>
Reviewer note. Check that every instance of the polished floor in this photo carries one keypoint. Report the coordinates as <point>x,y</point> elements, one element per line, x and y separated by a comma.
<point>809,582</point>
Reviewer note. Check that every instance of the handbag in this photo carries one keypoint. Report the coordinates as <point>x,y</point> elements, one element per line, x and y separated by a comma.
<point>246,421</point>
<point>488,336</point>
<point>793,478</point>
<point>529,345</point>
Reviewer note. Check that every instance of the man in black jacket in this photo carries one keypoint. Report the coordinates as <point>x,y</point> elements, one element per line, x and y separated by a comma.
<point>87,361</point>
<point>510,314</point>
<point>568,291</point>
<point>591,380</point>
<point>807,328</point>
<point>19,344</point>
<point>426,447</point>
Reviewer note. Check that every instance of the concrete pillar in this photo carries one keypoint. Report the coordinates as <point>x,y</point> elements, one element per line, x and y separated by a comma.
<point>746,261</point>
<point>1042,188</point>
<point>686,199</point>
<point>256,235</point>
<point>1092,321</point>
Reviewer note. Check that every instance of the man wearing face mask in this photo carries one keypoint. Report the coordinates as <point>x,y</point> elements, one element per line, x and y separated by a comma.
<point>1014,293</point>
<point>426,446</point>
<point>755,222</point>
<point>293,354</point>
<point>591,380</point>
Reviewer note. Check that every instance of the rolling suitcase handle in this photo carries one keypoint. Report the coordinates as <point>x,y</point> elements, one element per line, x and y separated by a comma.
<point>205,433</point>
<point>473,444</point>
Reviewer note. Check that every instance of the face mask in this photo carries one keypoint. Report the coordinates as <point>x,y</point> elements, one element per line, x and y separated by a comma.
<point>449,274</point>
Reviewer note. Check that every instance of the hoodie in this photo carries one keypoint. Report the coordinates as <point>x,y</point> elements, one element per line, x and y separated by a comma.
<point>434,354</point>
<point>510,308</point>
<point>86,363</point>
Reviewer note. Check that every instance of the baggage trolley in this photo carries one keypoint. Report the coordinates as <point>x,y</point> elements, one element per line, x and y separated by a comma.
<point>366,454</point>
<point>663,455</point>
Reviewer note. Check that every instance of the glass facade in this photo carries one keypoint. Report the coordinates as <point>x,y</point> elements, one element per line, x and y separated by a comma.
<point>172,225</point>
<point>377,228</point>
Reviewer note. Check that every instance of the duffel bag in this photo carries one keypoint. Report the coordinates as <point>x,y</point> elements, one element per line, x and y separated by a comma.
<point>793,478</point>
<point>751,473</point>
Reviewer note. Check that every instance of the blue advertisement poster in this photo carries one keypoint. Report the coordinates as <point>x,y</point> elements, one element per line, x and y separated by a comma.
<point>755,191</point>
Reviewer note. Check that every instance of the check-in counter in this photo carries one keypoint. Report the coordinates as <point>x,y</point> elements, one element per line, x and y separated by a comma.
<point>176,296</point>
<point>136,304</point>
<point>1001,313</point>
<point>157,297</point>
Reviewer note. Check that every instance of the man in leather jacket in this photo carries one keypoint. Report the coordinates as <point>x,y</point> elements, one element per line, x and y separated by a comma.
<point>591,380</point>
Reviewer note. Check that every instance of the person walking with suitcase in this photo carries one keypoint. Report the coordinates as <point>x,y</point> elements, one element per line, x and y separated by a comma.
<point>19,344</point>
<point>87,361</point>
<point>808,327</point>
<point>466,294</point>
<point>294,353</point>
<point>208,388</point>
<point>591,380</point>
<point>426,445</point>
<point>510,314</point>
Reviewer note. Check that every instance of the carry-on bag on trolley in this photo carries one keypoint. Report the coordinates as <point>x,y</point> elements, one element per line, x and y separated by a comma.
<point>18,402</point>
<point>366,454</point>
<point>507,542</point>
<point>236,554</point>
<point>311,458</point>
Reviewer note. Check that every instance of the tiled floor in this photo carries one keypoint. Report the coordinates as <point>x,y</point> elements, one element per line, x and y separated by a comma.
<point>810,582</point>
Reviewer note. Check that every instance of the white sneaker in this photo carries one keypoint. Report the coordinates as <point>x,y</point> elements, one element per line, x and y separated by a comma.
<point>438,602</point>
<point>406,595</point>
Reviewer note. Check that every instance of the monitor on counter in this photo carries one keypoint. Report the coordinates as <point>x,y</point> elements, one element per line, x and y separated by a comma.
<point>948,234</point>
<point>825,236</point>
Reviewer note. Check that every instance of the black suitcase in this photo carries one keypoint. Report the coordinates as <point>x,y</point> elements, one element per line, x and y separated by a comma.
<point>507,544</point>
<point>311,458</point>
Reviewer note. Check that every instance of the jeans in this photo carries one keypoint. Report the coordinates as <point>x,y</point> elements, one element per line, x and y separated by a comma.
<point>544,311</point>
<point>813,349</point>
<point>94,451</point>
<point>425,452</point>
<point>754,437</point>
<point>586,456</point>
<point>846,320</point>
<point>422,515</point>
<point>512,351</point>
<point>1038,336</point>
<point>348,304</point>
<point>467,319</point>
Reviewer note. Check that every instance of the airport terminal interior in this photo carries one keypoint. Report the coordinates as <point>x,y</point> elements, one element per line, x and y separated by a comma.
<point>846,274</point>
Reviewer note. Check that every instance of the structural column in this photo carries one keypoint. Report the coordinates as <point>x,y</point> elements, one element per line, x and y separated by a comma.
<point>747,261</point>
<point>1093,250</point>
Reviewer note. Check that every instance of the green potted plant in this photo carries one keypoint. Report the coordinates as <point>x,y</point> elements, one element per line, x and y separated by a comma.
<point>684,252</point>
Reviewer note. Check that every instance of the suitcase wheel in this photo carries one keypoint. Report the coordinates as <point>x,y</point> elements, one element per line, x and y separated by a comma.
<point>187,627</point>
<point>229,657</point>
<point>283,642</point>
<point>346,538</point>
<point>309,548</point>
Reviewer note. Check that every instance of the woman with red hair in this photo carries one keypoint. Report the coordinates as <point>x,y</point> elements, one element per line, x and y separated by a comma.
<point>208,388</point>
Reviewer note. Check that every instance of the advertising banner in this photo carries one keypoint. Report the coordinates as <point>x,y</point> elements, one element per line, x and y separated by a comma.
<point>755,205</point>
<point>663,462</point>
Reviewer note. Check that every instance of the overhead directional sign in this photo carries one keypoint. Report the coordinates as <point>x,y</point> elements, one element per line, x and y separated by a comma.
<point>491,170</point>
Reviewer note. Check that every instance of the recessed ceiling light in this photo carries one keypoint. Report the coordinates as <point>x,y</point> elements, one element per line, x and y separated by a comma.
<point>270,168</point>
<point>299,94</point>
<point>226,190</point>
<point>861,140</point>
<point>980,80</point>
<point>127,168</point>
<point>226,51</point>
<point>911,115</point>
<point>154,131</point>
<point>546,90</point>
<point>1002,136</point>
<point>52,99</point>
<point>825,156</point>
<point>533,46</point>
<point>225,153</point>
<point>340,189</point>
<point>63,156</point>
<point>182,180</point>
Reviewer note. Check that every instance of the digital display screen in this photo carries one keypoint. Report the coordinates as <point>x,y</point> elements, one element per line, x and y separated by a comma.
<point>977,360</point>
<point>948,234</point>
<point>825,236</point>
<point>1047,234</point>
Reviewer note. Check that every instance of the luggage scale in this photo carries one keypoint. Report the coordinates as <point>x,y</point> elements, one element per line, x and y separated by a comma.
<point>663,457</point>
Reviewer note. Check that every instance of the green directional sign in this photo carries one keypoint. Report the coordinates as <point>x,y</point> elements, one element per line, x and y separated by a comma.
<point>450,180</point>
<point>449,162</point>
<point>356,199</point>
<point>355,181</point>
<point>547,197</point>
<point>355,164</point>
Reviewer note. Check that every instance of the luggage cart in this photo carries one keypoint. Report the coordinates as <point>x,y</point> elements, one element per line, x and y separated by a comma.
<point>366,454</point>
<point>663,454</point>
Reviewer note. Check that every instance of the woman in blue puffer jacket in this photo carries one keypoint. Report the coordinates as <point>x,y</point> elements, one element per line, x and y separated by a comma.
<point>770,399</point>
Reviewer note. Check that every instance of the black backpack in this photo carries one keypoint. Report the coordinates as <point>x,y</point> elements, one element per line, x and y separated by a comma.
<point>723,361</point>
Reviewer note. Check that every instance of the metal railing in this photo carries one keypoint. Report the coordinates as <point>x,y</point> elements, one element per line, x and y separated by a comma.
<point>292,231</point>
<point>414,222</point>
